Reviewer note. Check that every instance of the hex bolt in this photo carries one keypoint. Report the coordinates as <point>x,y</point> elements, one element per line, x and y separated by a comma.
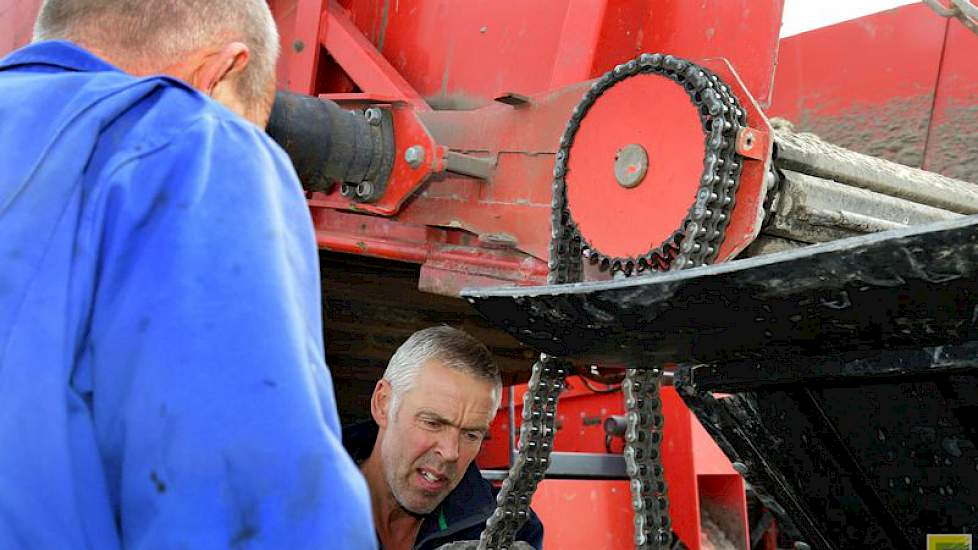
<point>748,140</point>
<point>740,468</point>
<point>615,425</point>
<point>414,156</point>
<point>364,189</point>
<point>374,116</point>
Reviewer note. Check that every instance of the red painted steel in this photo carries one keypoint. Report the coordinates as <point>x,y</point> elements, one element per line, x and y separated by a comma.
<point>748,212</point>
<point>298,24</point>
<point>744,32</point>
<point>900,84</point>
<point>577,42</point>
<point>951,146</point>
<point>360,60</point>
<point>468,61</point>
<point>462,56</point>
<point>512,207</point>
<point>655,113</point>
<point>451,259</point>
<point>699,475</point>
<point>584,514</point>
<point>448,270</point>
<point>867,84</point>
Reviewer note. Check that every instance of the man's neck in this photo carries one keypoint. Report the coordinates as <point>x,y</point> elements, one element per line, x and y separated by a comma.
<point>396,527</point>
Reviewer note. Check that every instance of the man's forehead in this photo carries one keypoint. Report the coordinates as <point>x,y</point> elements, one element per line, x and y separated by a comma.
<point>442,390</point>
<point>437,369</point>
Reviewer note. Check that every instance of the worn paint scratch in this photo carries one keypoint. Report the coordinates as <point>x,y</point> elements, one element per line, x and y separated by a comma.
<point>384,19</point>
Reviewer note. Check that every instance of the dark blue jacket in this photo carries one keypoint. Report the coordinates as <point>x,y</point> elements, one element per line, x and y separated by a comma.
<point>463,513</point>
<point>162,382</point>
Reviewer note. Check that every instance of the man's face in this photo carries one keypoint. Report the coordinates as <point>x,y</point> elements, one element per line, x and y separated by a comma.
<point>434,435</point>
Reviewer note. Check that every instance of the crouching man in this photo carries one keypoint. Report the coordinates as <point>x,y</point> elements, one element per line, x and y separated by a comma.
<point>431,412</point>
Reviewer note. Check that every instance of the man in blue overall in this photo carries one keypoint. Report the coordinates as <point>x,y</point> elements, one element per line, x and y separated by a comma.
<point>162,382</point>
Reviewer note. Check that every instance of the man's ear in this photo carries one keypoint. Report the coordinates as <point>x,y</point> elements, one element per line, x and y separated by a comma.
<point>380,403</point>
<point>219,66</point>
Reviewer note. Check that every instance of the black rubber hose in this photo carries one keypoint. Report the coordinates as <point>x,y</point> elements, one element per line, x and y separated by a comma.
<point>326,143</point>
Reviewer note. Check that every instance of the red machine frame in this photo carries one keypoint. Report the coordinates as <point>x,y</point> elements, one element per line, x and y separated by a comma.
<point>588,513</point>
<point>474,232</point>
<point>467,231</point>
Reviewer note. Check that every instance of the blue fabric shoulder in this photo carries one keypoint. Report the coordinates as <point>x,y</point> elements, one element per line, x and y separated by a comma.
<point>171,242</point>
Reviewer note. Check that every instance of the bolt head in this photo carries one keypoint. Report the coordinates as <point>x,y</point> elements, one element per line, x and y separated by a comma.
<point>414,156</point>
<point>374,116</point>
<point>740,468</point>
<point>364,189</point>
<point>748,140</point>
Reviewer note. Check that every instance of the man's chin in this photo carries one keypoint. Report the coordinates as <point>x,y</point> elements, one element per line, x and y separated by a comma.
<point>420,509</point>
<point>420,503</point>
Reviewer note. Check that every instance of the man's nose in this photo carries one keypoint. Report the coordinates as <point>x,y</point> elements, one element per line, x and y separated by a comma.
<point>448,446</point>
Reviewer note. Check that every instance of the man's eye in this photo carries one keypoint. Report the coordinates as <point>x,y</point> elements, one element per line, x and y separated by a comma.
<point>431,423</point>
<point>473,436</point>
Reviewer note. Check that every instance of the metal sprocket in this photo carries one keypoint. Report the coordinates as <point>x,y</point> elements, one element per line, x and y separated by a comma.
<point>696,241</point>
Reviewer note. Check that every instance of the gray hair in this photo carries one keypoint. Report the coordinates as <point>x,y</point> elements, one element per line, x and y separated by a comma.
<point>453,348</point>
<point>166,30</point>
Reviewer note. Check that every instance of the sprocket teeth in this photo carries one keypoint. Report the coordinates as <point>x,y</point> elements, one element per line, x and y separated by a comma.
<point>721,115</point>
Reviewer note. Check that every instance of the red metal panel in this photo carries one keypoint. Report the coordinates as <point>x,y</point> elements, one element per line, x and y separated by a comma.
<point>690,456</point>
<point>588,515</point>
<point>451,259</point>
<point>745,32</point>
<point>952,142</point>
<point>748,212</point>
<point>723,511</point>
<point>577,43</point>
<point>584,514</point>
<point>298,27</point>
<point>866,84</point>
<point>680,473</point>
<point>461,55</point>
<point>625,33</point>
<point>360,60</point>
<point>513,207</point>
<point>450,269</point>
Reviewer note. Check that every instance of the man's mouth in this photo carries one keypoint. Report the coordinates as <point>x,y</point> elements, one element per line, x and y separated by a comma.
<point>431,479</point>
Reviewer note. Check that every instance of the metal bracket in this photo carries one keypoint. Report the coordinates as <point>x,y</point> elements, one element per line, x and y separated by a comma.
<point>416,157</point>
<point>962,10</point>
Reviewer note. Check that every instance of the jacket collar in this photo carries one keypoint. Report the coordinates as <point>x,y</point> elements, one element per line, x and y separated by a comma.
<point>56,53</point>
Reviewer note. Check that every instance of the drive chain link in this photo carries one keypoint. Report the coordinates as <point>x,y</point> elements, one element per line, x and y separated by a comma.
<point>694,243</point>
